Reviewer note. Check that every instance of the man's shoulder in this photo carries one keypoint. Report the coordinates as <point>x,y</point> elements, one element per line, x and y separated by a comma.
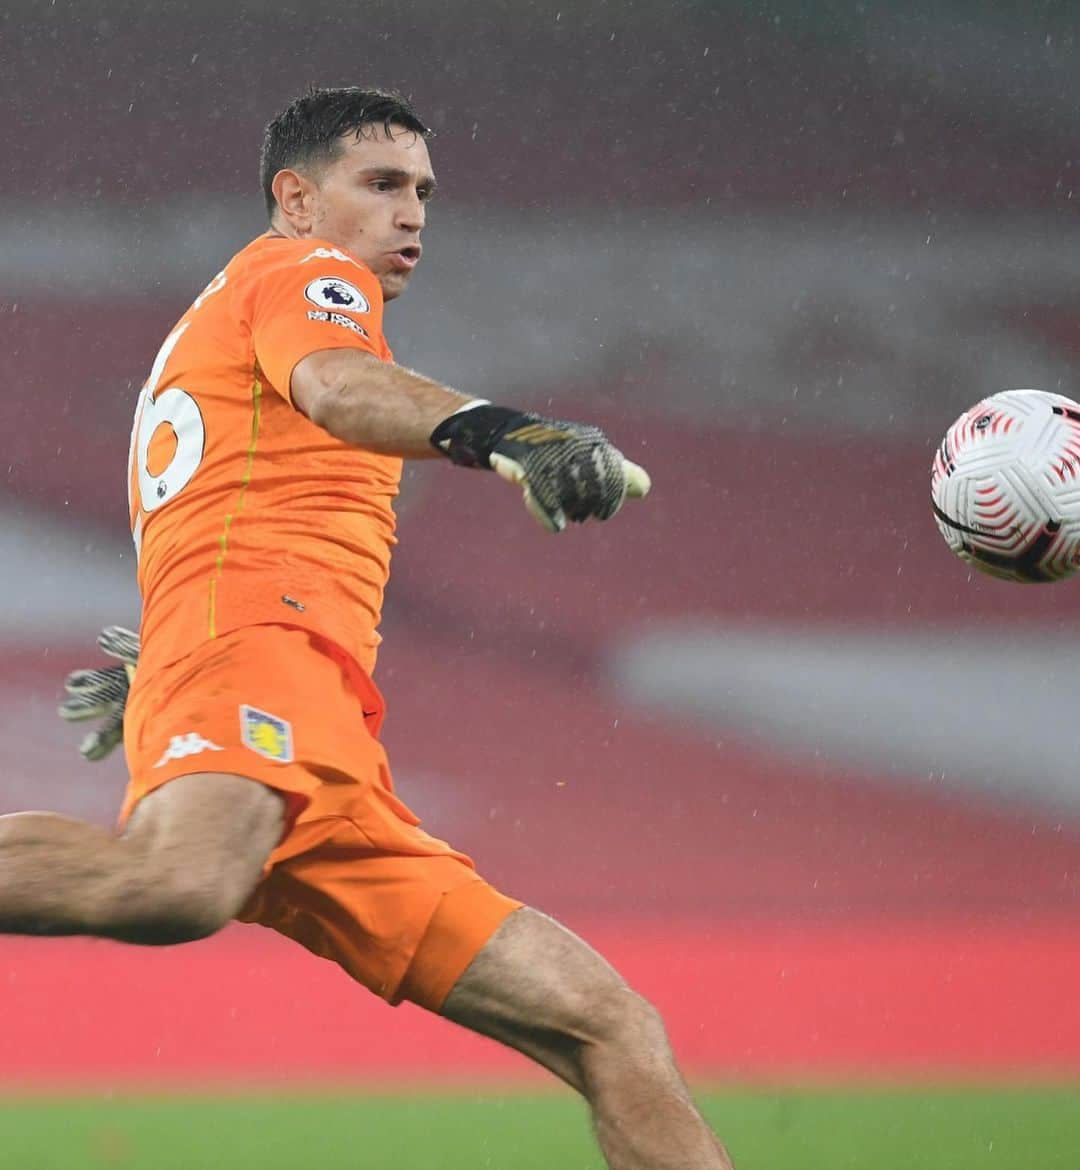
<point>330,277</point>
<point>272,251</point>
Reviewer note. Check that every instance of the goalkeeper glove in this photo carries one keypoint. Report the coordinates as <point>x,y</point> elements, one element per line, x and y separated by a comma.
<point>568,470</point>
<point>103,691</point>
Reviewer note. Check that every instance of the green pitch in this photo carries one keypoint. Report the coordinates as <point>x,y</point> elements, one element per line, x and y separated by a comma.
<point>903,1129</point>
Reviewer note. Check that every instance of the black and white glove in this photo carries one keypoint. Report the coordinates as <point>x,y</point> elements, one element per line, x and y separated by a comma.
<point>101,693</point>
<point>568,470</point>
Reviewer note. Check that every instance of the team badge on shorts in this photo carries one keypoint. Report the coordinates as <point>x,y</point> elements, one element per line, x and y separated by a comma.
<point>266,734</point>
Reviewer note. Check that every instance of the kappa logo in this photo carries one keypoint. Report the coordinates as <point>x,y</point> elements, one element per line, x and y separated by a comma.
<point>336,319</point>
<point>329,254</point>
<point>266,734</point>
<point>331,292</point>
<point>182,746</point>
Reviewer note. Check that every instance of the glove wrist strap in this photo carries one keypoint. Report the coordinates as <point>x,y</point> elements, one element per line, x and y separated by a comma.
<point>468,436</point>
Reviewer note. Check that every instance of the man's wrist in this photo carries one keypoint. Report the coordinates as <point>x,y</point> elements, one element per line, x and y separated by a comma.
<point>473,402</point>
<point>469,435</point>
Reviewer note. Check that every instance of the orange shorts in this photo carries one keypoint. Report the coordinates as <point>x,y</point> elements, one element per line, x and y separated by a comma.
<point>354,878</point>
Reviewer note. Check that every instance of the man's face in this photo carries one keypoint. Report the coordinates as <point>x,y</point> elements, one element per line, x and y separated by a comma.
<point>371,202</point>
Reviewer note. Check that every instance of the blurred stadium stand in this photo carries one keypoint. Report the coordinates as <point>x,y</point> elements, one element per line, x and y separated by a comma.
<point>775,255</point>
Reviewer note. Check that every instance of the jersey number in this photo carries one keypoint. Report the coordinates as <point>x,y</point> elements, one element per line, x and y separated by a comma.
<point>167,440</point>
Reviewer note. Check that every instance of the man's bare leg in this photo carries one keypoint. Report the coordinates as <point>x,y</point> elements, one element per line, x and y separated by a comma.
<point>186,862</point>
<point>538,988</point>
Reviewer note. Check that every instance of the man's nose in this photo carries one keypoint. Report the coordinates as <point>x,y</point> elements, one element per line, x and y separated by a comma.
<point>411,213</point>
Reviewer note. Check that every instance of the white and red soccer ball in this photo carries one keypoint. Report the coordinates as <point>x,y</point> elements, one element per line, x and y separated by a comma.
<point>1005,486</point>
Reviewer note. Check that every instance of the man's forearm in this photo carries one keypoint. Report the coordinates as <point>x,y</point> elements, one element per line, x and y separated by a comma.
<point>375,405</point>
<point>569,472</point>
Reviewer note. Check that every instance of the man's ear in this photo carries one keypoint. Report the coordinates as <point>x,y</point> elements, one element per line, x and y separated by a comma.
<point>293,193</point>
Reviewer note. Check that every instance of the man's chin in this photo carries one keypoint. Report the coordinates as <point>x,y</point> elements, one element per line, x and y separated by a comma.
<point>394,284</point>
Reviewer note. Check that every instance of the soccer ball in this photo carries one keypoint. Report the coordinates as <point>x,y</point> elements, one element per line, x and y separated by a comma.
<point>1005,486</point>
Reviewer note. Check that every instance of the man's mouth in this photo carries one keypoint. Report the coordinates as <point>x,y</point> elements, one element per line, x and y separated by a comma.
<point>407,257</point>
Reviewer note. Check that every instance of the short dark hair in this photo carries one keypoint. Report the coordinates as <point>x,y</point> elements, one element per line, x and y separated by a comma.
<point>308,132</point>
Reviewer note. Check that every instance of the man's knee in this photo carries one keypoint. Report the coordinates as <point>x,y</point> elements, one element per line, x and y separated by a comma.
<point>605,1016</point>
<point>542,990</point>
<point>617,1016</point>
<point>611,1030</point>
<point>535,978</point>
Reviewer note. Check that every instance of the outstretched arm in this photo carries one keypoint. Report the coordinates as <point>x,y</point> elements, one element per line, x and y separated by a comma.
<point>568,471</point>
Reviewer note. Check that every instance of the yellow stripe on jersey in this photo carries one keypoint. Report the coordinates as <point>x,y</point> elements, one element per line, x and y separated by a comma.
<point>223,540</point>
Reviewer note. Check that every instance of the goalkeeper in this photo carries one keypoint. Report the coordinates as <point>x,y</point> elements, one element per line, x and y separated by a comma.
<point>266,453</point>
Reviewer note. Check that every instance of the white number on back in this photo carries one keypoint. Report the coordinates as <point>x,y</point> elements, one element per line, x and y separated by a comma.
<point>173,408</point>
<point>176,410</point>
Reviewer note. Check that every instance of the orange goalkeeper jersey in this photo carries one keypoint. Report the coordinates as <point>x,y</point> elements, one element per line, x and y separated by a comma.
<point>243,511</point>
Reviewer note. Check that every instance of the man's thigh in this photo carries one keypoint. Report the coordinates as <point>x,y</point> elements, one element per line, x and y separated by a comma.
<point>208,830</point>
